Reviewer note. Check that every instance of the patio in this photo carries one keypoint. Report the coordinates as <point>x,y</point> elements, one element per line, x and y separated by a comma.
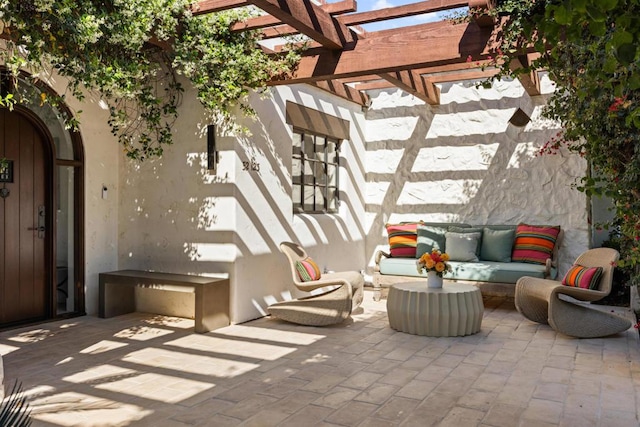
<point>148,370</point>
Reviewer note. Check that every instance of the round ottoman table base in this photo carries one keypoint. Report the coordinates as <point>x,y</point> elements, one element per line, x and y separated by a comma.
<point>454,310</point>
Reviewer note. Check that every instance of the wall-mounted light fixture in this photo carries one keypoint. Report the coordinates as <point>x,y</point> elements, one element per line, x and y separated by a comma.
<point>212,153</point>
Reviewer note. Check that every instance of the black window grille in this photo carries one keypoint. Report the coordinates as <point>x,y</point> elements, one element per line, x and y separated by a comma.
<point>315,173</point>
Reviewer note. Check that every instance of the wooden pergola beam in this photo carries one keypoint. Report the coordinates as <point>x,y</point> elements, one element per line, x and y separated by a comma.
<point>395,12</point>
<point>387,51</point>
<point>459,66</point>
<point>343,91</point>
<point>209,6</point>
<point>414,84</point>
<point>309,19</point>
<point>483,19</point>
<point>412,9</point>
<point>374,84</point>
<point>469,75</point>
<point>453,69</point>
<point>358,79</point>
<point>265,21</point>
<point>531,80</point>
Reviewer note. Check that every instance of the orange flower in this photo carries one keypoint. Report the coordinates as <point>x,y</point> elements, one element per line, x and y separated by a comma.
<point>430,263</point>
<point>440,267</point>
<point>445,257</point>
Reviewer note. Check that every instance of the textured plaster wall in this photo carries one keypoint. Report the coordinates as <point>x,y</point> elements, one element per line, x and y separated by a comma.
<point>101,159</point>
<point>458,161</point>
<point>462,161</point>
<point>177,216</point>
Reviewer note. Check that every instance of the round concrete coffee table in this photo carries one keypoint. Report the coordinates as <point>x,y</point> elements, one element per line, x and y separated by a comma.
<point>456,309</point>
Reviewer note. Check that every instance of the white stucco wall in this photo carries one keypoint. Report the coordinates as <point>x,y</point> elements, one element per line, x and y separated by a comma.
<point>102,155</point>
<point>463,161</point>
<point>176,216</point>
<point>459,161</point>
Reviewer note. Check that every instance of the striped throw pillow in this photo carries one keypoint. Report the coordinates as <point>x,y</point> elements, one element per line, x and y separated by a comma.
<point>307,270</point>
<point>534,244</point>
<point>583,277</point>
<point>403,239</point>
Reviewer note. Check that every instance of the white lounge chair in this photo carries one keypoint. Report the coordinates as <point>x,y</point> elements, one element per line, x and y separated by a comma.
<point>333,306</point>
<point>545,301</point>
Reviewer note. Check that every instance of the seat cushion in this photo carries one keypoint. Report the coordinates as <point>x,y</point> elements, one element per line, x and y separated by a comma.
<point>491,271</point>
<point>483,271</point>
<point>355,279</point>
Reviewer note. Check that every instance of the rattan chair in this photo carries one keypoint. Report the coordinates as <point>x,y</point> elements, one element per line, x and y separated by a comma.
<point>334,306</point>
<point>546,301</point>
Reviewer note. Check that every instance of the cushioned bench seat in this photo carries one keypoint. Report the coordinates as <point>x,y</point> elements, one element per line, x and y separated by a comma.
<point>492,257</point>
<point>482,271</point>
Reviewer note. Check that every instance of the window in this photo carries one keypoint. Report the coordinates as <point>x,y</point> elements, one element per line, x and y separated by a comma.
<point>315,173</point>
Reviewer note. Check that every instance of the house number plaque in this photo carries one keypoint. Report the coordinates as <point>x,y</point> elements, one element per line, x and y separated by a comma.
<point>251,165</point>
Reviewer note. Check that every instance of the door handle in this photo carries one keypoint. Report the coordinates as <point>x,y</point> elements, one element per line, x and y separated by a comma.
<point>40,228</point>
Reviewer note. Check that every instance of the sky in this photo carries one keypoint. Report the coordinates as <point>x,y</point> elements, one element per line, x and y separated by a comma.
<point>367,5</point>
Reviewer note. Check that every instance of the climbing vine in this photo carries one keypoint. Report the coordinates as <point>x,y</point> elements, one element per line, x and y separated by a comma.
<point>590,50</point>
<point>132,53</point>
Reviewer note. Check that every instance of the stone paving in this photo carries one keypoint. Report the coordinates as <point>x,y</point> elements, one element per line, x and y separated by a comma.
<point>148,370</point>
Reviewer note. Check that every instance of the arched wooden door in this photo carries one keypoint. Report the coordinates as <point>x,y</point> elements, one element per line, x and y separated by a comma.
<point>24,217</point>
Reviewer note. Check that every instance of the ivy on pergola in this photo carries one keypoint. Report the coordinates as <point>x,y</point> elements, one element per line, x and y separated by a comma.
<point>132,51</point>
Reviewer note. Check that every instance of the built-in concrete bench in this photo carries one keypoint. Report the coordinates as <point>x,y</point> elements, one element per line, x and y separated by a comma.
<point>117,295</point>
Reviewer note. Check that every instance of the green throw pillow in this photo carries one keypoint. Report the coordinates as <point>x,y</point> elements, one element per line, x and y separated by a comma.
<point>430,237</point>
<point>462,246</point>
<point>469,230</point>
<point>497,245</point>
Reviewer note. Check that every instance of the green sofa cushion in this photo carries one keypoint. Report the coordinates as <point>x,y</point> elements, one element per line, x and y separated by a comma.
<point>497,244</point>
<point>462,246</point>
<point>431,234</point>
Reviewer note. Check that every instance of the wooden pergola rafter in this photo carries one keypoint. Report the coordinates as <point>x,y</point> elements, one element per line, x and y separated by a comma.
<point>348,61</point>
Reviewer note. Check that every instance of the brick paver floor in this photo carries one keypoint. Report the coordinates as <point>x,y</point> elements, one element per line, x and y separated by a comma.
<point>148,370</point>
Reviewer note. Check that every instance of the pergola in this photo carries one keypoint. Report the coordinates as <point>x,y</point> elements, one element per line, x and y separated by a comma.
<point>346,60</point>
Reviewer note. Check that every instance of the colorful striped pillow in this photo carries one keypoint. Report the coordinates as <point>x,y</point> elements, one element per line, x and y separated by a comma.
<point>403,239</point>
<point>534,244</point>
<point>583,277</point>
<point>307,270</point>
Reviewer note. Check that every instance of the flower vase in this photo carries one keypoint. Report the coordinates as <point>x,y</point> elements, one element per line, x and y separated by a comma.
<point>433,280</point>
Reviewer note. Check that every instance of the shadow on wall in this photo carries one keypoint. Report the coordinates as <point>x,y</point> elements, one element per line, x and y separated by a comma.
<point>177,216</point>
<point>464,162</point>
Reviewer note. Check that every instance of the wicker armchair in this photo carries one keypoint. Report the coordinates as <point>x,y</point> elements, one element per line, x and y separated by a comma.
<point>333,306</point>
<point>545,301</point>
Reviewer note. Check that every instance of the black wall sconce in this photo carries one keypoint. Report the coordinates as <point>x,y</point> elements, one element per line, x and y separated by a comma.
<point>212,153</point>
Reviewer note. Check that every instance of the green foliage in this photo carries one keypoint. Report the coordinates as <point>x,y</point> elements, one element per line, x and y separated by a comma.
<point>131,52</point>
<point>15,410</point>
<point>589,48</point>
